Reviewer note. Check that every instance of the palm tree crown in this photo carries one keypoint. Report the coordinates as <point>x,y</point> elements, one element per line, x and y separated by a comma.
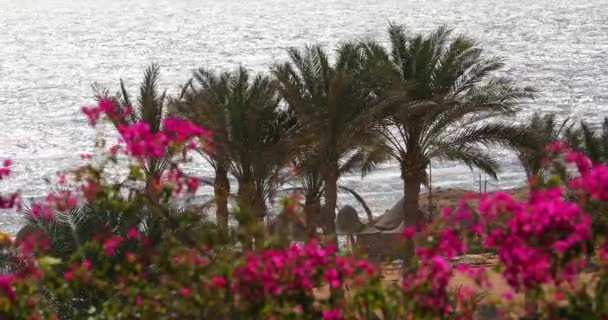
<point>443,89</point>
<point>333,108</point>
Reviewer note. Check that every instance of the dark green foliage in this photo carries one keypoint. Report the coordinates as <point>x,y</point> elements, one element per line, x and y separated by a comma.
<point>440,94</point>
<point>539,132</point>
<point>335,108</point>
<point>252,134</point>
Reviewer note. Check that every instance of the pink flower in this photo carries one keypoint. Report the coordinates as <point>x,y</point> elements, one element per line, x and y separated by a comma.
<point>219,282</point>
<point>409,232</point>
<point>132,234</point>
<point>10,201</point>
<point>111,244</point>
<point>68,276</point>
<point>34,243</point>
<point>6,285</point>
<point>42,211</point>
<point>108,107</point>
<point>582,162</point>
<point>441,264</point>
<point>62,201</point>
<point>185,292</point>
<point>5,171</point>
<point>87,264</point>
<point>295,270</point>
<point>532,238</point>
<point>92,114</point>
<point>179,131</point>
<point>332,276</point>
<point>333,314</point>
<point>556,147</point>
<point>141,142</point>
<point>193,184</point>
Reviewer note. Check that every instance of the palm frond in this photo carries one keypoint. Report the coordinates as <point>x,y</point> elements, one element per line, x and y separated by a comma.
<point>359,198</point>
<point>472,157</point>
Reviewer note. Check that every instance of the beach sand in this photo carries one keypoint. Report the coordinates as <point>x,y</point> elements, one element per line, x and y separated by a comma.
<point>447,197</point>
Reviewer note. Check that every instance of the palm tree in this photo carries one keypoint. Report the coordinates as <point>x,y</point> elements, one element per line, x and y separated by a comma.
<point>259,135</point>
<point>204,103</point>
<point>593,143</point>
<point>540,131</point>
<point>150,109</point>
<point>443,89</point>
<point>333,107</point>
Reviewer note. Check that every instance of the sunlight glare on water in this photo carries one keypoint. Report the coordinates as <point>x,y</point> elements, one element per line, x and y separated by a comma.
<point>52,51</point>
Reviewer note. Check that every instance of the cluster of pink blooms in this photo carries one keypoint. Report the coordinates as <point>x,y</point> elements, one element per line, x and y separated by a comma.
<point>534,237</point>
<point>175,181</point>
<point>541,240</point>
<point>79,272</point>
<point>181,131</point>
<point>61,201</point>
<point>28,267</point>
<point>108,108</point>
<point>429,281</point>
<point>12,200</point>
<point>333,314</point>
<point>139,138</point>
<point>6,285</point>
<point>296,270</point>
<point>141,142</point>
<point>593,179</point>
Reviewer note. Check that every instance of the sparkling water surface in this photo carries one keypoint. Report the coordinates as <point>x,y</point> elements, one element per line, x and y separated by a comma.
<point>52,51</point>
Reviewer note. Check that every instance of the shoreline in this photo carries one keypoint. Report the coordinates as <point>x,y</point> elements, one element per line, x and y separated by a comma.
<point>445,197</point>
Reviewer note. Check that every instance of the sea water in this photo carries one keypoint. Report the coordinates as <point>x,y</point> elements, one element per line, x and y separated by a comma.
<point>52,51</point>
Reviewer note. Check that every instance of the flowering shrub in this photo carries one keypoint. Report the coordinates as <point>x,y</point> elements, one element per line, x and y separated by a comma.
<point>107,249</point>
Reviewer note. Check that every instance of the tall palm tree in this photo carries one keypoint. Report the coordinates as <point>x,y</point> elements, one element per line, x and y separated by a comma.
<point>204,103</point>
<point>333,107</point>
<point>444,90</point>
<point>149,108</point>
<point>258,134</point>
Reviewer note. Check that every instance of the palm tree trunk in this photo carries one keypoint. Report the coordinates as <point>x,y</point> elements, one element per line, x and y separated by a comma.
<point>250,200</point>
<point>250,203</point>
<point>411,205</point>
<point>221,190</point>
<point>411,190</point>
<point>312,211</point>
<point>328,217</point>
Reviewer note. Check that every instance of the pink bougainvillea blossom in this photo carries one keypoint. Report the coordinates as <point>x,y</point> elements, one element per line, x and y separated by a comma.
<point>141,142</point>
<point>333,314</point>
<point>532,237</point>
<point>111,244</point>
<point>295,270</point>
